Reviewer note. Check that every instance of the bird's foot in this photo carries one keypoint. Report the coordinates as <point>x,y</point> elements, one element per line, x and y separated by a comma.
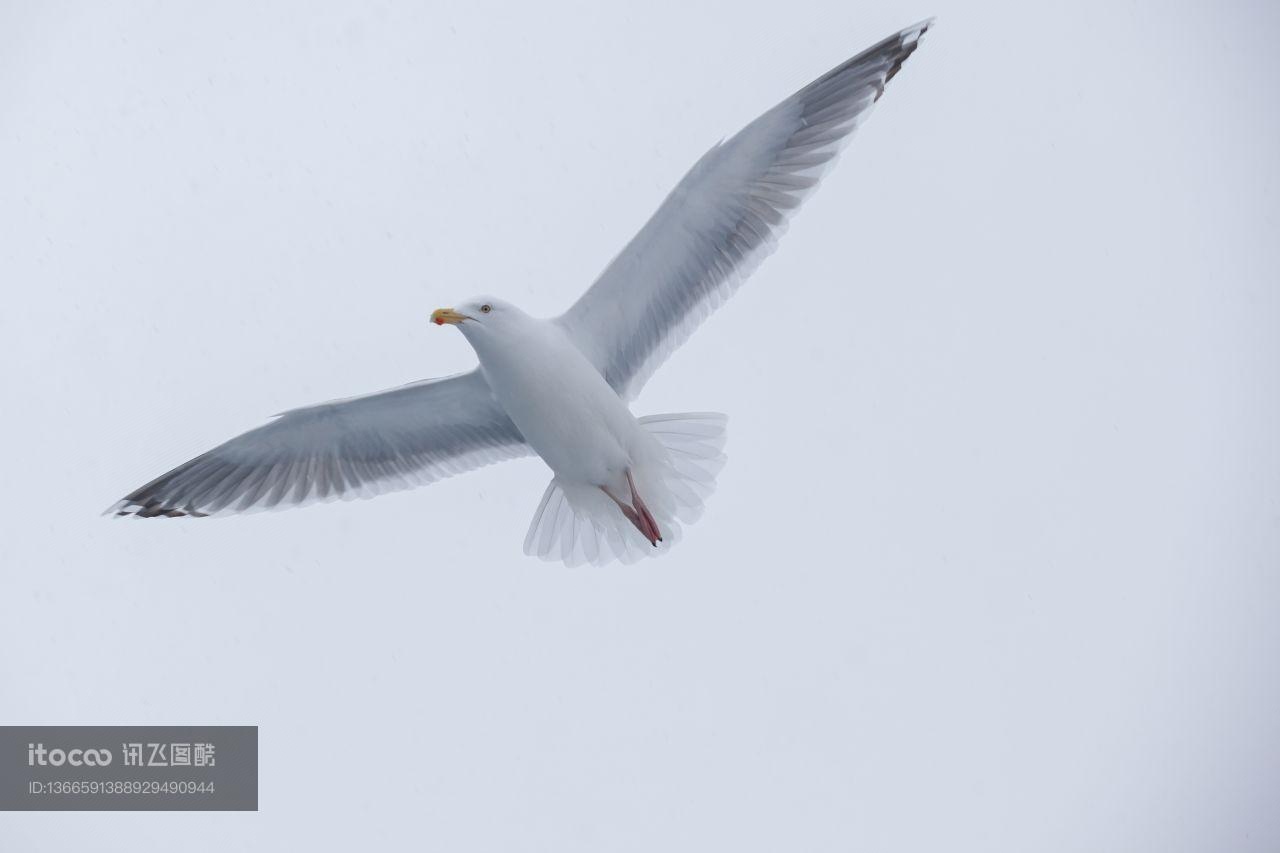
<point>637,513</point>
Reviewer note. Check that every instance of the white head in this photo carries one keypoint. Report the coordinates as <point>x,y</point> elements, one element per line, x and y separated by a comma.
<point>482,318</point>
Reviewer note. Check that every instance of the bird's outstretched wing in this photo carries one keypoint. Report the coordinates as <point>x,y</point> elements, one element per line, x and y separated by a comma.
<point>357,447</point>
<point>722,219</point>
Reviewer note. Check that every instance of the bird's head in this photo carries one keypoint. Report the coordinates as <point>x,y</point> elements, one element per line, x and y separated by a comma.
<point>483,315</point>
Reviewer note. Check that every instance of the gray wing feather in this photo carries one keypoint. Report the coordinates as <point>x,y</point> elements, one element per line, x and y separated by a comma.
<point>722,219</point>
<point>358,447</point>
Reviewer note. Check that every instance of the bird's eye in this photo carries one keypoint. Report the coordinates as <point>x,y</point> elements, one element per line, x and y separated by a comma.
<point>485,309</point>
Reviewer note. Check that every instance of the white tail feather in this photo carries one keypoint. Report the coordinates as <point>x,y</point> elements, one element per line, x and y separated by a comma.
<point>577,523</point>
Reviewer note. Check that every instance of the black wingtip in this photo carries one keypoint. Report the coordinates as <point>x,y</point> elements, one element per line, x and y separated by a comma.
<point>908,41</point>
<point>151,509</point>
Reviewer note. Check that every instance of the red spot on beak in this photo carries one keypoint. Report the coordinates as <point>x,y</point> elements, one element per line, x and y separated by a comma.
<point>439,322</point>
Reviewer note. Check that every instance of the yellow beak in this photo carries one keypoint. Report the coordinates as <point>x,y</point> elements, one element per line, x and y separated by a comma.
<point>440,316</point>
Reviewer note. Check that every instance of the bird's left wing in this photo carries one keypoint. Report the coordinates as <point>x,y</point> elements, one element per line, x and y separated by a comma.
<point>358,447</point>
<point>722,219</point>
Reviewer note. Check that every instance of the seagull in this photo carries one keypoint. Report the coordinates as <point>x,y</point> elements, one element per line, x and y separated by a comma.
<point>622,486</point>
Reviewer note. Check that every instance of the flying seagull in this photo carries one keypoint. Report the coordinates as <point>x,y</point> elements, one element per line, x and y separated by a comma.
<point>559,387</point>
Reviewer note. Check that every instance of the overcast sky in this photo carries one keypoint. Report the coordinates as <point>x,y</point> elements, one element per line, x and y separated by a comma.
<point>994,565</point>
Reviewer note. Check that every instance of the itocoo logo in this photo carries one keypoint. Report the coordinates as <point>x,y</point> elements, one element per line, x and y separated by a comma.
<point>38,755</point>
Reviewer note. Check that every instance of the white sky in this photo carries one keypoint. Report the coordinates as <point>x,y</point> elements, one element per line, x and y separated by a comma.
<point>995,561</point>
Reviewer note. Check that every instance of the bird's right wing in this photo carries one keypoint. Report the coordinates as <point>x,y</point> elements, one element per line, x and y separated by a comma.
<point>358,447</point>
<point>723,218</point>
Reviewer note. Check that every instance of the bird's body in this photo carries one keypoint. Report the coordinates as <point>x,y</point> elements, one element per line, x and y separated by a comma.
<point>610,470</point>
<point>557,399</point>
<point>560,388</point>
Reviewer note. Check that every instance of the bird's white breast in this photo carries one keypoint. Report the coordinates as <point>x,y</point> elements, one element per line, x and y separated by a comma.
<point>561,404</point>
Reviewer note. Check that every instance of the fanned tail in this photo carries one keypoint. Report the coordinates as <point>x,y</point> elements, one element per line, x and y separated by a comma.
<point>577,523</point>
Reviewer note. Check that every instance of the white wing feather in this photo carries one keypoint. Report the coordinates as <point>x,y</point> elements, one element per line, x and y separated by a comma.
<point>723,218</point>
<point>357,447</point>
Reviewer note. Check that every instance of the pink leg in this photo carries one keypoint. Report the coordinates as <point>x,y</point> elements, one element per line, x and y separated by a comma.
<point>637,513</point>
<point>643,511</point>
